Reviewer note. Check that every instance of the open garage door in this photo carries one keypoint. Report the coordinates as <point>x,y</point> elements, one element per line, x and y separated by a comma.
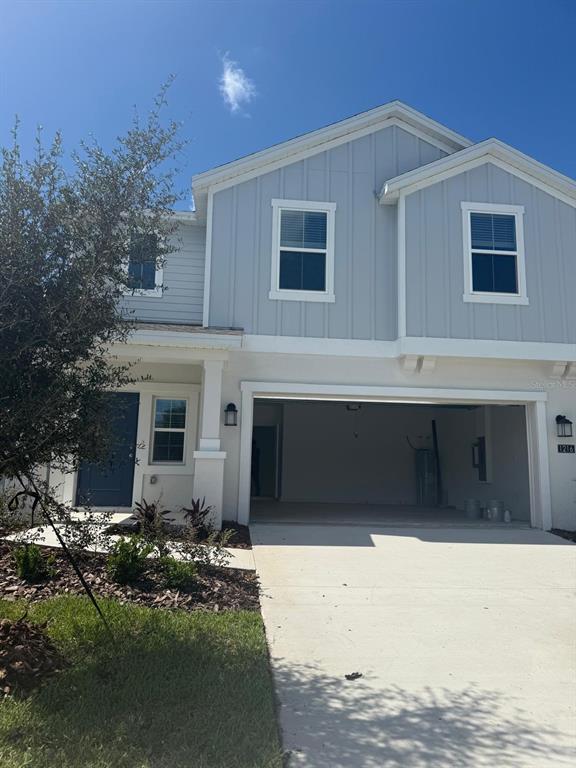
<point>397,455</point>
<point>393,462</point>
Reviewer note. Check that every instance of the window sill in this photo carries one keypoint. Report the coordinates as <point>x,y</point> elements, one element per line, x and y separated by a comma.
<point>139,292</point>
<point>495,298</point>
<point>302,296</point>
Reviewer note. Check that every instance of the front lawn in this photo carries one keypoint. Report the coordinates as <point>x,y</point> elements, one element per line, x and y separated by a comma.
<point>172,690</point>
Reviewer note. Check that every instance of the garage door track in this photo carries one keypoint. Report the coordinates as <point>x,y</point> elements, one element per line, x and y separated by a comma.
<point>424,647</point>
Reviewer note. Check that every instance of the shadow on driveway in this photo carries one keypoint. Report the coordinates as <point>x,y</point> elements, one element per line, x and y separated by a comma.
<point>332,723</point>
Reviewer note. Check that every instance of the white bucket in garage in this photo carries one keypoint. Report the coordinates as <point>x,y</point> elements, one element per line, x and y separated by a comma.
<point>495,510</point>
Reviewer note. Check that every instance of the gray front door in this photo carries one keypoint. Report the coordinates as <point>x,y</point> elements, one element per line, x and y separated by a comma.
<point>110,483</point>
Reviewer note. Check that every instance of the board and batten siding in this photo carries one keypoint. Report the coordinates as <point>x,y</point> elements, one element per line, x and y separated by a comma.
<point>365,243</point>
<point>182,297</point>
<point>435,262</point>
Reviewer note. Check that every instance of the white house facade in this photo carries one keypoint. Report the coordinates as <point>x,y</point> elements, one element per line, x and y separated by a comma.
<point>379,315</point>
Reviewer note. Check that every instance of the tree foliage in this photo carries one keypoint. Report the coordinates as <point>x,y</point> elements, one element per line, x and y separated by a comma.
<point>65,234</point>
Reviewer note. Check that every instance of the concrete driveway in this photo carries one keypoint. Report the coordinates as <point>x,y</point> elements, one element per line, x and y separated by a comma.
<point>465,640</point>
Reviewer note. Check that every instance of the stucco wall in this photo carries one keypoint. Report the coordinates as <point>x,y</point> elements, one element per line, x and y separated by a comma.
<point>450,373</point>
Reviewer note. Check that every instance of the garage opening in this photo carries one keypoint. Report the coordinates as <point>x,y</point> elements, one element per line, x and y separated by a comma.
<point>336,461</point>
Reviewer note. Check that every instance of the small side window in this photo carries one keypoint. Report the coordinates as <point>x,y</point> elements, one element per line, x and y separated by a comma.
<point>169,431</point>
<point>144,278</point>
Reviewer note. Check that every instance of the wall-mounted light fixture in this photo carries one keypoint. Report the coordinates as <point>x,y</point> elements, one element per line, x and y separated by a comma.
<point>230,415</point>
<point>563,426</point>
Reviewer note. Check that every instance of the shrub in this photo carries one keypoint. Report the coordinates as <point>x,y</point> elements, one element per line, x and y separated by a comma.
<point>204,549</point>
<point>178,574</point>
<point>197,515</point>
<point>127,559</point>
<point>150,518</point>
<point>31,564</point>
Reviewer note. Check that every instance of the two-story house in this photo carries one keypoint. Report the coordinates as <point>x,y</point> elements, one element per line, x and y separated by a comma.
<point>378,317</point>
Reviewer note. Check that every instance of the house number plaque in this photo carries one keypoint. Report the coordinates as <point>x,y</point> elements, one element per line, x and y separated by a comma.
<point>566,448</point>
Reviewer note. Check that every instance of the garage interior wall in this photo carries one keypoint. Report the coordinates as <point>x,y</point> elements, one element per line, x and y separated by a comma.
<point>332,454</point>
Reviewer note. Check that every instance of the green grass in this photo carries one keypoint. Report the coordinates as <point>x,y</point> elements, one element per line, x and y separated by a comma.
<point>173,690</point>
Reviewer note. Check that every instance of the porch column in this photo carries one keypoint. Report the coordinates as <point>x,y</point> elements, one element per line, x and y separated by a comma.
<point>209,459</point>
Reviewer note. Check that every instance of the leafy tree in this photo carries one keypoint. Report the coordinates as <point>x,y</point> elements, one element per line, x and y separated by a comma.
<point>65,239</point>
<point>66,232</point>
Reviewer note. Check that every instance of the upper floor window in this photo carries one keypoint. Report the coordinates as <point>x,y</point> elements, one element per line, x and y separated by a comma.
<point>494,268</point>
<point>302,251</point>
<point>144,278</point>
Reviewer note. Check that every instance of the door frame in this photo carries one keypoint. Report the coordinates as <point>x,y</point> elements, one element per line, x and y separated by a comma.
<point>134,445</point>
<point>536,428</point>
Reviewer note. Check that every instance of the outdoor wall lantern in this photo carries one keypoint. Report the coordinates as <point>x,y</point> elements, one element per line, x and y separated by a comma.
<point>230,415</point>
<point>563,426</point>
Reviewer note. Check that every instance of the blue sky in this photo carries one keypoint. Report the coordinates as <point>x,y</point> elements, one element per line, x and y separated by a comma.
<point>484,68</point>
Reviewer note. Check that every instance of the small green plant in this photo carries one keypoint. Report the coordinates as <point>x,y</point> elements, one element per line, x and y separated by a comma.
<point>127,559</point>
<point>178,574</point>
<point>203,549</point>
<point>31,563</point>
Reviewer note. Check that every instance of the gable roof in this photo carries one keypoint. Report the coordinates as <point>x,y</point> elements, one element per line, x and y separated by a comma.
<point>489,151</point>
<point>393,113</point>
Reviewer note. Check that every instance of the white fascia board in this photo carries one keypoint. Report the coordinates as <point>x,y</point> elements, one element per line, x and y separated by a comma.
<point>273,389</point>
<point>186,340</point>
<point>152,354</point>
<point>490,151</point>
<point>393,113</point>
<point>298,345</point>
<point>487,349</point>
<point>410,345</point>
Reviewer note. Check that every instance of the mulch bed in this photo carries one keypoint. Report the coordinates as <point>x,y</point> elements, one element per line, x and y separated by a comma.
<point>239,540</point>
<point>27,656</point>
<point>216,589</point>
<point>570,535</point>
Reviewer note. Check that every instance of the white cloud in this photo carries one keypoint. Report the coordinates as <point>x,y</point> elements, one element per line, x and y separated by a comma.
<point>236,88</point>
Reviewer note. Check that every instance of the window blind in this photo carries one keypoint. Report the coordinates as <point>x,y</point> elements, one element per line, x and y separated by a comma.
<point>493,232</point>
<point>303,229</point>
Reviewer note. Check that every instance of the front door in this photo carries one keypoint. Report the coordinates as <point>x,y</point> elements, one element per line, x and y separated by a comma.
<point>110,483</point>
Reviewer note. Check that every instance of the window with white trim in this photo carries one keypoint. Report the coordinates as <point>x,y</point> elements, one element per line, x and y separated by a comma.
<point>494,267</point>
<point>144,276</point>
<point>302,251</point>
<point>169,431</point>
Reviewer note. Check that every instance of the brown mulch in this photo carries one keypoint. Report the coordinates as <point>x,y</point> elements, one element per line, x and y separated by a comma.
<point>241,538</point>
<point>216,589</point>
<point>570,535</point>
<point>27,656</point>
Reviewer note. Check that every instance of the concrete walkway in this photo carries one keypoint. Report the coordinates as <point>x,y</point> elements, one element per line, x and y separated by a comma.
<point>465,640</point>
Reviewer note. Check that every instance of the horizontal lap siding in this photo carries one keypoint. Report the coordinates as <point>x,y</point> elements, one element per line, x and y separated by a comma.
<point>182,298</point>
<point>365,242</point>
<point>435,262</point>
